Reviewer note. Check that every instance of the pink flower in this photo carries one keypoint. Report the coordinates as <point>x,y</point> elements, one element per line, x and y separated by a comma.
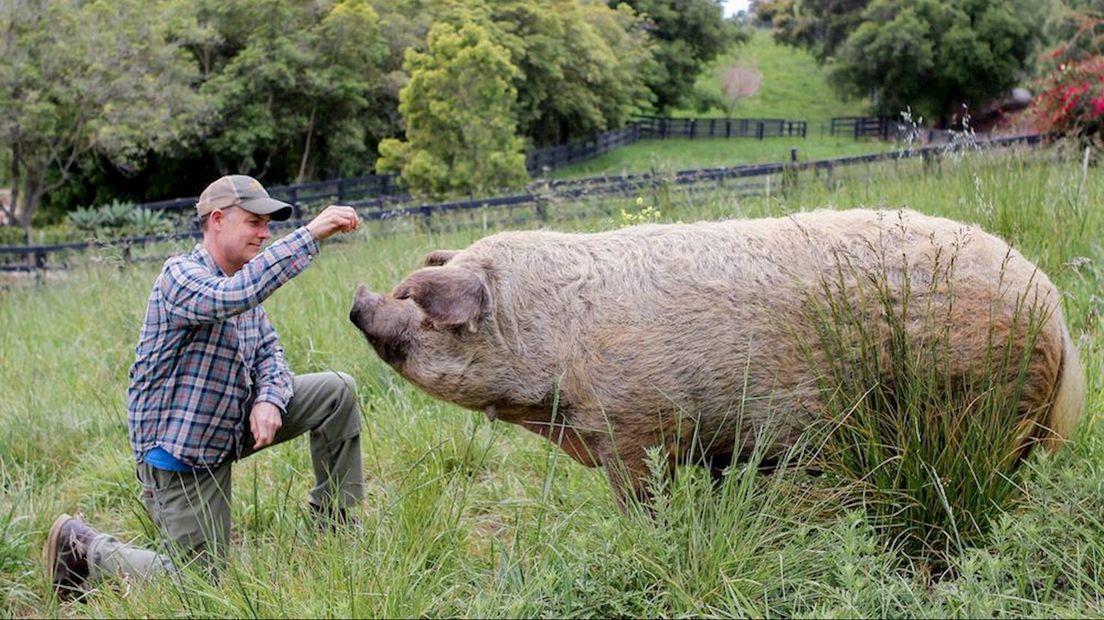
<point>1098,106</point>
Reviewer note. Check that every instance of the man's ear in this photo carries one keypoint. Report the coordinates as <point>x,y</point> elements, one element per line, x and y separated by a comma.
<point>448,295</point>
<point>436,258</point>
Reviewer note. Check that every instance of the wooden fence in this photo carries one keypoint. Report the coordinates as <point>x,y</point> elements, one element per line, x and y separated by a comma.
<point>542,161</point>
<point>31,258</point>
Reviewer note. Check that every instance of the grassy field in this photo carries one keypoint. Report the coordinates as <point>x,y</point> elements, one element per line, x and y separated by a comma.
<point>793,88</point>
<point>466,517</point>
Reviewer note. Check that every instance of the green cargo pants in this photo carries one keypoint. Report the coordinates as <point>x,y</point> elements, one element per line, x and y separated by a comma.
<point>192,509</point>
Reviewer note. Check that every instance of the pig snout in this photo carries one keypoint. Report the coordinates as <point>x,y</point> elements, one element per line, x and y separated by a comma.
<point>383,322</point>
<point>364,307</point>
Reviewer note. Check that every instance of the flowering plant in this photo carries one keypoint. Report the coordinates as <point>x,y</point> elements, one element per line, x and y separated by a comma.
<point>1071,99</point>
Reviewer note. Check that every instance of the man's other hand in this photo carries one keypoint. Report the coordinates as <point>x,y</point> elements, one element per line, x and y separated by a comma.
<point>334,219</point>
<point>264,421</point>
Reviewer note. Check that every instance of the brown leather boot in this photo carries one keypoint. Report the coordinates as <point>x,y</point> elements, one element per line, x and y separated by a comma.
<point>66,556</point>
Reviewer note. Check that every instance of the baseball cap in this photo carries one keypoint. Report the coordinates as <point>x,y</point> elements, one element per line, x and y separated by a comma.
<point>239,190</point>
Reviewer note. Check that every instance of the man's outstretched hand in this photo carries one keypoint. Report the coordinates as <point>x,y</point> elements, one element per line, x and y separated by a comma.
<point>334,219</point>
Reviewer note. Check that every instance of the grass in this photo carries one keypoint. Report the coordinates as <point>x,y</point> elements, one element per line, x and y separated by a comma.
<point>465,517</point>
<point>682,154</point>
<point>793,88</point>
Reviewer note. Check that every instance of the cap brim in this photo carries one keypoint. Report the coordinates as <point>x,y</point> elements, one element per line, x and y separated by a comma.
<point>271,207</point>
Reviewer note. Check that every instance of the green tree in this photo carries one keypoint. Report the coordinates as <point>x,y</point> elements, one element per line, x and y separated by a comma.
<point>582,66</point>
<point>86,78</point>
<point>936,56</point>
<point>292,92</point>
<point>819,26</point>
<point>689,35</point>
<point>458,107</point>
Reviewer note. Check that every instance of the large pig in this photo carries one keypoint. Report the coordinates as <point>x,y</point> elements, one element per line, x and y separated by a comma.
<point>612,342</point>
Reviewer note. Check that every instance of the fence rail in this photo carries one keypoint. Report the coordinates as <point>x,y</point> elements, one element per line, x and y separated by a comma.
<point>31,258</point>
<point>692,128</point>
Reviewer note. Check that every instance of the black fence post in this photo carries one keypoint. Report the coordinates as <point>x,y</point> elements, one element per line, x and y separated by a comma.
<point>293,196</point>
<point>759,130</point>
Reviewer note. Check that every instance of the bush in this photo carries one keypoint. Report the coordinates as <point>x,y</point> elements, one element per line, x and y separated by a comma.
<point>1071,100</point>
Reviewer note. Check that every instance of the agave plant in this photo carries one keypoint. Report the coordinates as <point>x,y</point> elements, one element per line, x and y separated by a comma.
<point>87,219</point>
<point>147,220</point>
<point>117,214</point>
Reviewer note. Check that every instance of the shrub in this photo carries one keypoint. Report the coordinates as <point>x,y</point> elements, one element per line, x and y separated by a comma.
<point>1071,100</point>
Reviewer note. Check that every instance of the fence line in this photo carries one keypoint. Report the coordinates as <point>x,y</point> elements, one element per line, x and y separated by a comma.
<point>36,257</point>
<point>544,160</point>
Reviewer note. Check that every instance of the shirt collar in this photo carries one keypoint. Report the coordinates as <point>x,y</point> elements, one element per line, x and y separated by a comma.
<point>204,257</point>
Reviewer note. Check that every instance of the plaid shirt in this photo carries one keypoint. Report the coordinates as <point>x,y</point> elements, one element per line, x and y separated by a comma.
<point>207,352</point>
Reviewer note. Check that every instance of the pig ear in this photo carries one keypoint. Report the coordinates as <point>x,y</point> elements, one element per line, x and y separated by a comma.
<point>448,295</point>
<point>436,258</point>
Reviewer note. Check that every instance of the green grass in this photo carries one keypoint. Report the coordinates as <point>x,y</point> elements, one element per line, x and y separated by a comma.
<point>793,88</point>
<point>682,154</point>
<point>465,517</point>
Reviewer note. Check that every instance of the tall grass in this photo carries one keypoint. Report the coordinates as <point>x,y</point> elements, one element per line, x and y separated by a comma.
<point>931,445</point>
<point>465,517</point>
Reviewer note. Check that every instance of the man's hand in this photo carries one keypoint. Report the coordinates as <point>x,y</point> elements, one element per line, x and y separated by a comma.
<point>264,421</point>
<point>334,219</point>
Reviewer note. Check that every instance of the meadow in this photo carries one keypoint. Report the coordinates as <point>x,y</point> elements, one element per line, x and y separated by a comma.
<point>793,87</point>
<point>467,517</point>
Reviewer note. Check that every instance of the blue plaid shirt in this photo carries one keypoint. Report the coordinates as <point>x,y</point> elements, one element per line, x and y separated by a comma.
<point>207,352</point>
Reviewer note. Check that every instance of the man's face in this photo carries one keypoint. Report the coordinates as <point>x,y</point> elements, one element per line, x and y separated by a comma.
<point>239,234</point>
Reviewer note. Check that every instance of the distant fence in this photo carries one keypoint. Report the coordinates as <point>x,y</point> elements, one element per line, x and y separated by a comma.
<point>337,190</point>
<point>540,161</point>
<point>31,258</point>
<point>885,128</point>
<point>692,128</point>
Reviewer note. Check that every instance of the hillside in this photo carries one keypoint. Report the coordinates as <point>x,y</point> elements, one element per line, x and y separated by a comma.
<point>793,87</point>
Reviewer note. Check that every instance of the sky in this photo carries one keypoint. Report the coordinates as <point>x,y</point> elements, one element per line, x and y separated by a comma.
<point>733,6</point>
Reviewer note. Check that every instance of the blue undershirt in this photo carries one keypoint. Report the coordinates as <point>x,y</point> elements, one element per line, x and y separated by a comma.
<point>161,459</point>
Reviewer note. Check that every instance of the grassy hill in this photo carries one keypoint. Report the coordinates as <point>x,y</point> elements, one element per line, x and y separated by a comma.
<point>793,87</point>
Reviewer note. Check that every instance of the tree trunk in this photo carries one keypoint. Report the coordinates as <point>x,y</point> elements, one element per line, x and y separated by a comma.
<point>306,146</point>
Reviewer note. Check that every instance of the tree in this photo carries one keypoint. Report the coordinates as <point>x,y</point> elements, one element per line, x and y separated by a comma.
<point>458,107</point>
<point>936,56</point>
<point>581,66</point>
<point>86,78</point>
<point>739,82</point>
<point>689,35</point>
<point>820,26</point>
<point>293,91</point>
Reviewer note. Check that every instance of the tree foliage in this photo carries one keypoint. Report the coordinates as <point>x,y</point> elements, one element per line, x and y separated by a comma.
<point>929,55</point>
<point>689,35</point>
<point>460,128</point>
<point>820,26</point>
<point>85,78</point>
<point>582,67</point>
<point>143,100</point>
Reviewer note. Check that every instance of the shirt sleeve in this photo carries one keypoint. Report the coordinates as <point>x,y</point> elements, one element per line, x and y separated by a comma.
<point>272,379</point>
<point>194,295</point>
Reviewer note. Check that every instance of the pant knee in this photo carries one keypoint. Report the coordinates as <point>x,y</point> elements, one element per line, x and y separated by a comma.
<point>346,407</point>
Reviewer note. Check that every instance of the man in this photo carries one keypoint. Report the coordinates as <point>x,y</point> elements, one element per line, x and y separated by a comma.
<point>209,386</point>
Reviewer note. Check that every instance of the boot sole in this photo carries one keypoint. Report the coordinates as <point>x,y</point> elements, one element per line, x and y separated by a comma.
<point>50,551</point>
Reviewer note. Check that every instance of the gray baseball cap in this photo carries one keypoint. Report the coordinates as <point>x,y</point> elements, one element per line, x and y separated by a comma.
<point>239,190</point>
